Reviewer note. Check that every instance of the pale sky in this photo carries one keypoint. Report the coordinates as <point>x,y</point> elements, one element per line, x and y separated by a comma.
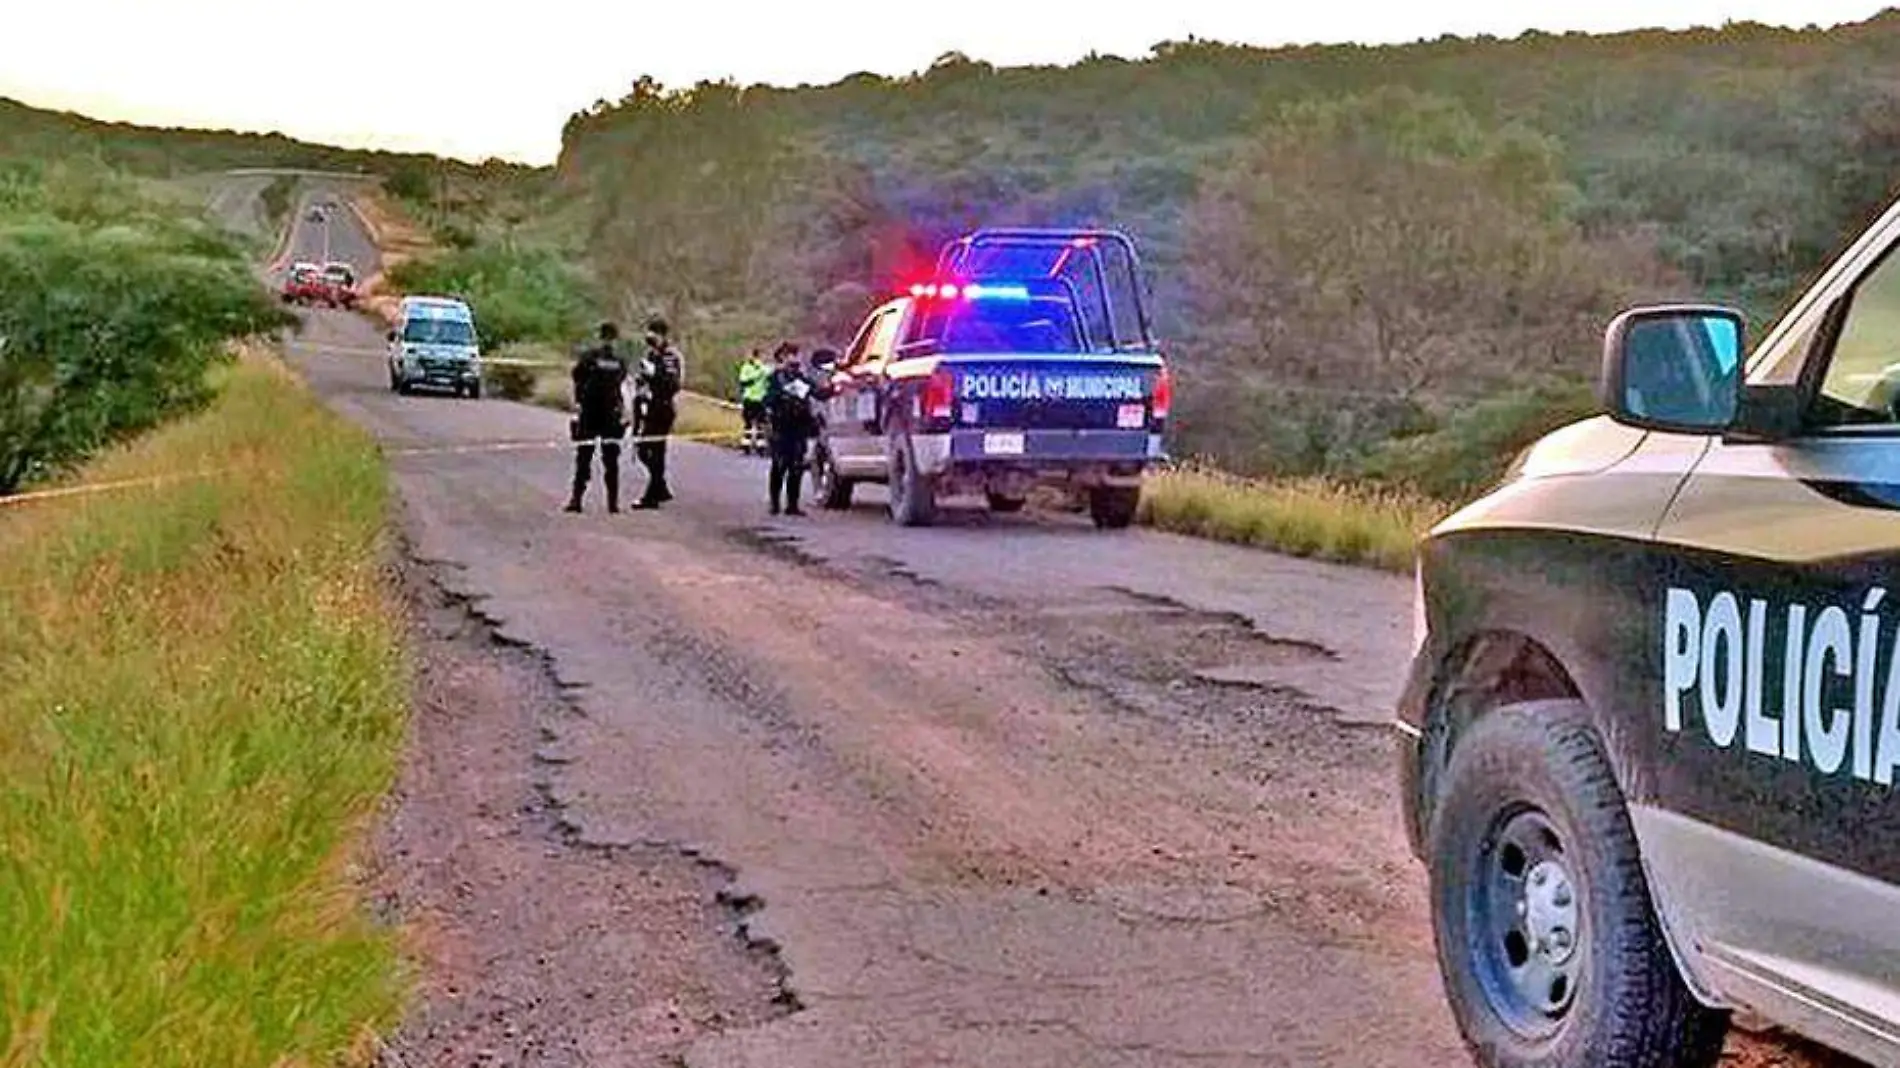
<point>487,77</point>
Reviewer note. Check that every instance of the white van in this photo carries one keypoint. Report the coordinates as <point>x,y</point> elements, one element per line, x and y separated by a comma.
<point>434,345</point>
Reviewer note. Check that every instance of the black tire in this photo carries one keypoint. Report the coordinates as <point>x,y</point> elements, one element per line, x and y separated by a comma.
<point>834,490</point>
<point>1528,788</point>
<point>1113,507</point>
<point>474,391</point>
<point>403,387</point>
<point>913,495</point>
<point>1005,505</point>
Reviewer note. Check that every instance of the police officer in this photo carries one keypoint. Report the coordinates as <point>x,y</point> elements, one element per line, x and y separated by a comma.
<point>661,372</point>
<point>752,377</point>
<point>789,398</point>
<point>600,378</point>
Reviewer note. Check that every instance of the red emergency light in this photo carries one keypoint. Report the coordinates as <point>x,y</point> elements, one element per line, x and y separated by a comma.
<point>970,291</point>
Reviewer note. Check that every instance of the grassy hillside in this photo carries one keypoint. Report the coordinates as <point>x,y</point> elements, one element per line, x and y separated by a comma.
<point>39,134</point>
<point>1350,245</point>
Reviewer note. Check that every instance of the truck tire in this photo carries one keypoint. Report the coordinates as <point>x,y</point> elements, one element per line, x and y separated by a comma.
<point>834,490</point>
<point>913,494</point>
<point>1549,946</point>
<point>1113,507</point>
<point>475,390</point>
<point>1003,505</point>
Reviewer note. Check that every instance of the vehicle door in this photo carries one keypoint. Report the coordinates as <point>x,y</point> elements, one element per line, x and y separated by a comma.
<point>853,413</point>
<point>1767,811</point>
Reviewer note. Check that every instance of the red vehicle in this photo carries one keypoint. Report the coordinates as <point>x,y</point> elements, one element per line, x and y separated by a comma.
<point>339,280</point>
<point>304,284</point>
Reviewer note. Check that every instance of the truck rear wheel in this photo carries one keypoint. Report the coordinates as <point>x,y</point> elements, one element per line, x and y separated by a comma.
<point>1551,952</point>
<point>1113,507</point>
<point>913,494</point>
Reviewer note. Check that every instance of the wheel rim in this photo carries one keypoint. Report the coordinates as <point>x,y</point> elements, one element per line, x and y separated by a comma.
<point>1525,924</point>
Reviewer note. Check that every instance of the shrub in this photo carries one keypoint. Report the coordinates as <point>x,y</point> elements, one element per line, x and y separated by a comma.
<point>519,293</point>
<point>1474,445</point>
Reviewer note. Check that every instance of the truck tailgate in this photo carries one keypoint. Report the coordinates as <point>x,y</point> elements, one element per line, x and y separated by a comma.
<point>1044,393</point>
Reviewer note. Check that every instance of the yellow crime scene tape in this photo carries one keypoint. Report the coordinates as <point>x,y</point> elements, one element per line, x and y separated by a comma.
<point>129,484</point>
<point>554,443</point>
<point>493,361</point>
<point>116,486</point>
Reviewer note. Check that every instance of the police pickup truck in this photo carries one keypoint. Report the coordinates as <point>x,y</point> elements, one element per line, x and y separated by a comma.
<point>1026,359</point>
<point>1652,727</point>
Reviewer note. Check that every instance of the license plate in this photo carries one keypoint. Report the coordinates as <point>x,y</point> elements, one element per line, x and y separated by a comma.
<point>1131,416</point>
<point>1003,444</point>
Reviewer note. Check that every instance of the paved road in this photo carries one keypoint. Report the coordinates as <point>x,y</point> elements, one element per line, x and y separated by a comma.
<point>1007,792</point>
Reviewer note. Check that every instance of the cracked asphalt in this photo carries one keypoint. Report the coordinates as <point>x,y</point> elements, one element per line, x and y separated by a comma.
<point>1007,791</point>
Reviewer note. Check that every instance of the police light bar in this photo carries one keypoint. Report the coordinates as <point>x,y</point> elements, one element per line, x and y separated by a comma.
<point>985,291</point>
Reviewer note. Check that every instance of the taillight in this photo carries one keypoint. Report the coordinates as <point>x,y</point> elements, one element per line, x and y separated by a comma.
<point>940,394</point>
<point>1163,398</point>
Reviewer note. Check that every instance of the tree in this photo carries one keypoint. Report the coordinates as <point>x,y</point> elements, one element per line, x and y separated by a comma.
<point>1391,241</point>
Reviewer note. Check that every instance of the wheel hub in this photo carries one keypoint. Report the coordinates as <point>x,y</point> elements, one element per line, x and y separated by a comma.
<point>1550,913</point>
<point>1526,923</point>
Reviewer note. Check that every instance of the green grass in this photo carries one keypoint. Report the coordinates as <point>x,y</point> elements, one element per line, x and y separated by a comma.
<point>1307,517</point>
<point>201,701</point>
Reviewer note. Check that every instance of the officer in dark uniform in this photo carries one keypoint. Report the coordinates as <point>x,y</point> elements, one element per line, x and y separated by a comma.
<point>600,379</point>
<point>661,372</point>
<point>790,394</point>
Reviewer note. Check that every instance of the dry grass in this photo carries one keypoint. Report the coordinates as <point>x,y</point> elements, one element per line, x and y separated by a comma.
<point>1320,519</point>
<point>201,702</point>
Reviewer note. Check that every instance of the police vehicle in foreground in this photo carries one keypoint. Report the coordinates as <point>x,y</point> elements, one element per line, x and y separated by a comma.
<point>434,345</point>
<point>1028,359</point>
<point>1653,720</point>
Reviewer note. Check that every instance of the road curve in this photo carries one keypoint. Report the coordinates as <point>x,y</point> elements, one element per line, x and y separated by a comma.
<point>1008,791</point>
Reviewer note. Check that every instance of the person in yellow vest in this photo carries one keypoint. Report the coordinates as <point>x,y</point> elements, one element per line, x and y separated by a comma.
<point>754,374</point>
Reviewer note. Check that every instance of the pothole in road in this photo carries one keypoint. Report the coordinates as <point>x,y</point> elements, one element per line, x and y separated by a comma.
<point>535,947</point>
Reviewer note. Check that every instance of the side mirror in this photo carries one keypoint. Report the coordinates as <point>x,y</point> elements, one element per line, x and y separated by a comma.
<point>1675,368</point>
<point>391,336</point>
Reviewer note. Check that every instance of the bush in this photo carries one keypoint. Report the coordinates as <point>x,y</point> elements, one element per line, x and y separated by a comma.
<point>519,293</point>
<point>412,182</point>
<point>276,197</point>
<point>1471,449</point>
<point>511,382</point>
